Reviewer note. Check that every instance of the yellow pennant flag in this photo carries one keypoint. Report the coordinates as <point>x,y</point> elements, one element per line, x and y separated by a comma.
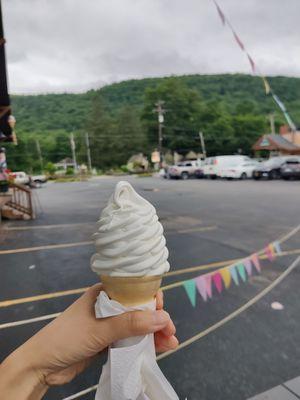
<point>267,86</point>
<point>226,276</point>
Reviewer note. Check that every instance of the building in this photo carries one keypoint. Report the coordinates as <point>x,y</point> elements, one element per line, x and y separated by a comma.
<point>284,143</point>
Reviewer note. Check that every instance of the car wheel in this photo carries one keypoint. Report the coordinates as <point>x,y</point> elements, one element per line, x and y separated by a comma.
<point>286,178</point>
<point>184,176</point>
<point>244,175</point>
<point>272,175</point>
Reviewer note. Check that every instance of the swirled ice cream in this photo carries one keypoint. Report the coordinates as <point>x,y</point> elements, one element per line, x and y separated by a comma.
<point>129,240</point>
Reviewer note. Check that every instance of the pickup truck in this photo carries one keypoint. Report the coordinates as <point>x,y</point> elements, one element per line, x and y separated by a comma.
<point>184,170</point>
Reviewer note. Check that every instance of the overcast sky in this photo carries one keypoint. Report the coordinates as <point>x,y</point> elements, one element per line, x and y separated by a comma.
<point>74,45</point>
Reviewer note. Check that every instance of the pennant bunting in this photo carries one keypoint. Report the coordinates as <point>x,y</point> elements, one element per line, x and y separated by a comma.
<point>279,103</point>
<point>190,288</point>
<point>225,273</point>
<point>234,275</point>
<point>217,278</point>
<point>242,272</point>
<point>248,265</point>
<point>277,248</point>
<point>220,12</point>
<point>252,64</point>
<point>238,40</point>
<point>269,253</point>
<point>201,286</point>
<point>255,261</point>
<point>289,121</point>
<point>267,85</point>
<point>208,285</point>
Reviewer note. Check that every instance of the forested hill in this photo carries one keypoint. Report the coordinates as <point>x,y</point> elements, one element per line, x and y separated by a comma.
<point>69,111</point>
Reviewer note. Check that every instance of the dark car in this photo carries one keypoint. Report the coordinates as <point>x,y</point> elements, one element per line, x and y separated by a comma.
<point>291,169</point>
<point>270,169</point>
<point>199,173</point>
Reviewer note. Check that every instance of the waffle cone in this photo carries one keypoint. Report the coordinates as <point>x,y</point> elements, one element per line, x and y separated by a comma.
<point>131,291</point>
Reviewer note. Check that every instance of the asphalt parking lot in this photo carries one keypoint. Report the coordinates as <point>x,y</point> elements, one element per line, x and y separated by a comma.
<point>205,222</point>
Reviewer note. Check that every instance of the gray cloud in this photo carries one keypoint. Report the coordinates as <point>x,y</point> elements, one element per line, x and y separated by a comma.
<point>73,45</point>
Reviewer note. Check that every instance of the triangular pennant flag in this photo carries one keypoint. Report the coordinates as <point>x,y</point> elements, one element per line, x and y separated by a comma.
<point>251,63</point>
<point>226,276</point>
<point>190,288</point>
<point>208,284</point>
<point>221,15</point>
<point>248,265</point>
<point>242,272</point>
<point>269,253</point>
<point>217,278</point>
<point>267,85</point>
<point>201,286</point>
<point>238,40</point>
<point>234,275</point>
<point>277,248</point>
<point>256,263</point>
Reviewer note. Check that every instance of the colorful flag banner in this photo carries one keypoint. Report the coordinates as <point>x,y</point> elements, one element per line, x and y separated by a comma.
<point>253,67</point>
<point>190,288</point>
<point>267,85</point>
<point>269,252</point>
<point>238,40</point>
<point>208,285</point>
<point>242,272</point>
<point>201,286</point>
<point>255,261</point>
<point>220,12</point>
<point>234,276</point>
<point>277,248</point>
<point>226,276</point>
<point>217,278</point>
<point>248,266</point>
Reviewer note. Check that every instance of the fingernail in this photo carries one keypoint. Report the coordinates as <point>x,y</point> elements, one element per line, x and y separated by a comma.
<point>160,317</point>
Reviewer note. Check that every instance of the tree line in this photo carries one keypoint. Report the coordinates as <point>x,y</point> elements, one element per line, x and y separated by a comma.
<point>231,111</point>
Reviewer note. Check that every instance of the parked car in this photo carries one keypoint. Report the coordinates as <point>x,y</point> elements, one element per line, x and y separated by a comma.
<point>240,171</point>
<point>291,169</point>
<point>214,165</point>
<point>183,170</point>
<point>270,169</point>
<point>38,178</point>
<point>20,177</point>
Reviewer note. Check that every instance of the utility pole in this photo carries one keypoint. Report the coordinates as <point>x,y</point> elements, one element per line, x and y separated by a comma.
<point>201,136</point>
<point>73,147</point>
<point>38,148</point>
<point>160,111</point>
<point>272,123</point>
<point>88,151</point>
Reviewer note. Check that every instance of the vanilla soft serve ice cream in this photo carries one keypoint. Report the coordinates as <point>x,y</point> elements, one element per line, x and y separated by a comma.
<point>129,240</point>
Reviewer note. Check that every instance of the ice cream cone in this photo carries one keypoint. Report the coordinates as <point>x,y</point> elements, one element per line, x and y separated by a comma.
<point>131,291</point>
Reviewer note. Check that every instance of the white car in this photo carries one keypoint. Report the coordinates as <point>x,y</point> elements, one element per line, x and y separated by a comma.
<point>213,166</point>
<point>240,171</point>
<point>20,177</point>
<point>183,170</point>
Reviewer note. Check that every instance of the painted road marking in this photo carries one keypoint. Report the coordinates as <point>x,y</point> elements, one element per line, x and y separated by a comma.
<point>29,228</point>
<point>87,243</point>
<point>47,296</point>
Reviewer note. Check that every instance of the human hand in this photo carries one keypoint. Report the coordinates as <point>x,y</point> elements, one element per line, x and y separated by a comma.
<point>65,347</point>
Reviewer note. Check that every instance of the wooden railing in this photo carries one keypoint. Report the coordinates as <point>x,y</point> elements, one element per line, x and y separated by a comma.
<point>21,199</point>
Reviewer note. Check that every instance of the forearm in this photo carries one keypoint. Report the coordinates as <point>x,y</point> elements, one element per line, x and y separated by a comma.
<point>18,380</point>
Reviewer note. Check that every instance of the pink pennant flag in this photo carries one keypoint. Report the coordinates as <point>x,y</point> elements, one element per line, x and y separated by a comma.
<point>252,63</point>
<point>220,12</point>
<point>269,252</point>
<point>201,286</point>
<point>217,278</point>
<point>238,40</point>
<point>248,265</point>
<point>256,263</point>
<point>208,285</point>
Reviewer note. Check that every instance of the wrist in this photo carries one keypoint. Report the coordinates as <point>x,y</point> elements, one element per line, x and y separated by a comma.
<point>19,379</point>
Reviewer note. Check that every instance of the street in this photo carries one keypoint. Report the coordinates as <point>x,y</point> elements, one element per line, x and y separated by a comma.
<point>45,266</point>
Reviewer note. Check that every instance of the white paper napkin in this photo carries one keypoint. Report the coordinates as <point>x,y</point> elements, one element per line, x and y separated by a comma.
<point>131,371</point>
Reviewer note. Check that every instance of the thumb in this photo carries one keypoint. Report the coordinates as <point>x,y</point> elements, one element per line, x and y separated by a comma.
<point>135,323</point>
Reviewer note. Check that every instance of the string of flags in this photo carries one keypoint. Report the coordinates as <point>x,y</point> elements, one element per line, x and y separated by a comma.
<point>223,278</point>
<point>254,68</point>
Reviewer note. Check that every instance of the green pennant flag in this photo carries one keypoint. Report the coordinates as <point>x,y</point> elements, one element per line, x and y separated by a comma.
<point>190,288</point>
<point>242,272</point>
